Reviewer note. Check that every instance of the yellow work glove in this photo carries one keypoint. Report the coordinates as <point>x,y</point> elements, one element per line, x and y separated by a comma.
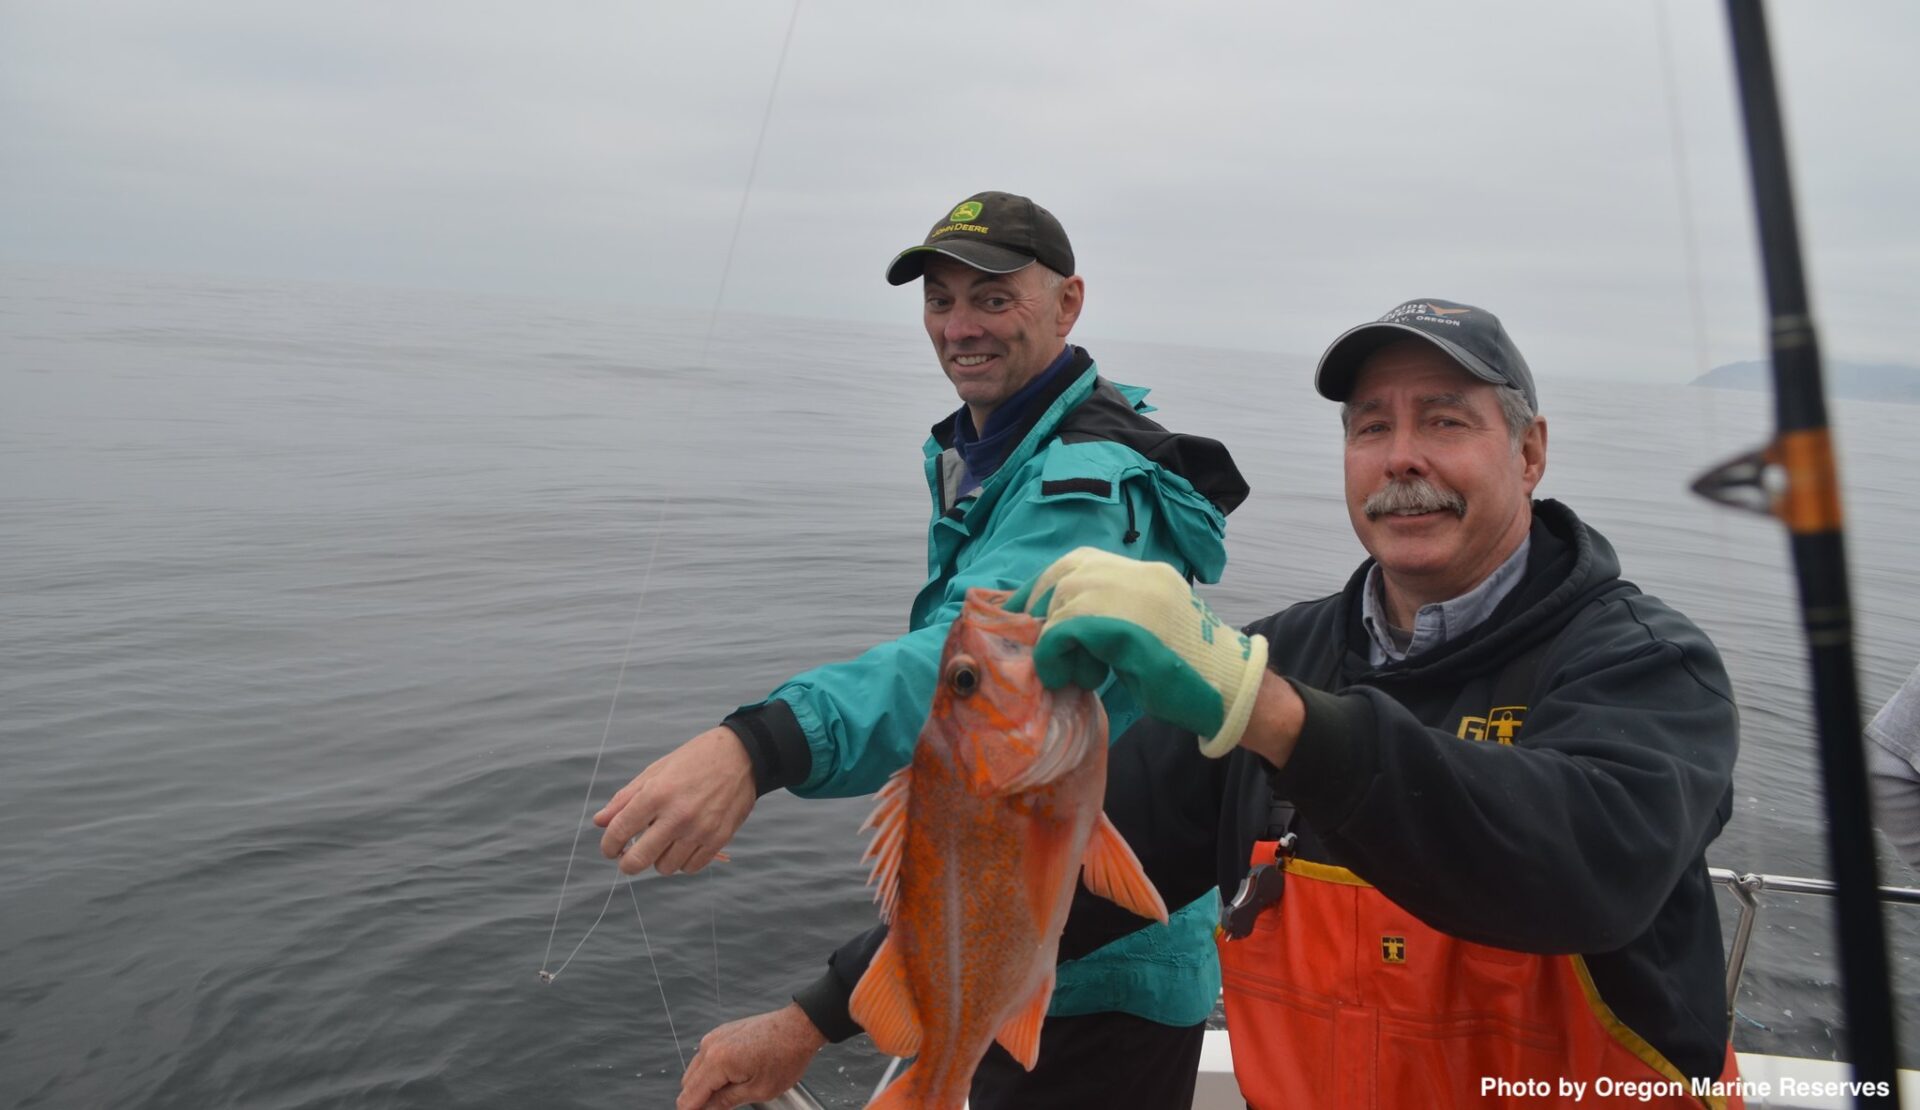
<point>1141,621</point>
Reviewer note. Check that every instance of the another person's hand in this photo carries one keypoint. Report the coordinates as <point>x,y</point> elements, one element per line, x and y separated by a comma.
<point>1142,621</point>
<point>750,1060</point>
<point>684,808</point>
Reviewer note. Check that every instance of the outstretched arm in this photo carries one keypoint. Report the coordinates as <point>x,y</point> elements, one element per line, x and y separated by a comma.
<point>841,729</point>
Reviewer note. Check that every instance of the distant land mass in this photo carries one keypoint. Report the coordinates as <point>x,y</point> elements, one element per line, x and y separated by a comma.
<point>1855,380</point>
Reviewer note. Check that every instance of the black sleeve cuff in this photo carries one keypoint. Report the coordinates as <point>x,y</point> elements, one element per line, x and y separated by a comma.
<point>1334,759</point>
<point>826,1000</point>
<point>776,744</point>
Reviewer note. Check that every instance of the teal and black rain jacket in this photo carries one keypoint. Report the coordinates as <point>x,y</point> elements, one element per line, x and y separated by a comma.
<point>1091,471</point>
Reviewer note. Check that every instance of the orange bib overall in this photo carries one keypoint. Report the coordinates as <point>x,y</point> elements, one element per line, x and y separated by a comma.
<point>1341,999</point>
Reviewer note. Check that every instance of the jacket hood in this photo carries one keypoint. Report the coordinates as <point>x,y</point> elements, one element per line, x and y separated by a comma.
<point>1079,406</point>
<point>1117,413</point>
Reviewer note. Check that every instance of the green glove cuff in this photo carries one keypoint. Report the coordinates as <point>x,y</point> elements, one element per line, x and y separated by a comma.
<point>1245,691</point>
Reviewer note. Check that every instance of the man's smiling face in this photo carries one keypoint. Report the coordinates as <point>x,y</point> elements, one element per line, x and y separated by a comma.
<point>995,333</point>
<point>1437,490</point>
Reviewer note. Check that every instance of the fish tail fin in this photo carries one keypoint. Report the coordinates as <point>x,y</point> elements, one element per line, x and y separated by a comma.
<point>1020,1036</point>
<point>883,1005</point>
<point>1111,870</point>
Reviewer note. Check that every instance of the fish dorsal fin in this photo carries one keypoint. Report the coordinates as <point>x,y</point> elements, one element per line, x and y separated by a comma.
<point>883,1005</point>
<point>1077,722</point>
<point>1111,870</point>
<point>1020,1036</point>
<point>889,824</point>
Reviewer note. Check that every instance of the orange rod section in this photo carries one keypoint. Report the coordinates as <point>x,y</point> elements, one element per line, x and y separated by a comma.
<point>1811,501</point>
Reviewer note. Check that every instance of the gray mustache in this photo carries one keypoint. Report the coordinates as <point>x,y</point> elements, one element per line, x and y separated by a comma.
<point>1412,495</point>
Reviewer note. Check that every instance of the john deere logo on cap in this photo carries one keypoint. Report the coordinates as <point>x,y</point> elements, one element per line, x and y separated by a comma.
<point>966,210</point>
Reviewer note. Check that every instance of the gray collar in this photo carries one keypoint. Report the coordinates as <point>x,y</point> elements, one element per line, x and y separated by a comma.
<point>1440,621</point>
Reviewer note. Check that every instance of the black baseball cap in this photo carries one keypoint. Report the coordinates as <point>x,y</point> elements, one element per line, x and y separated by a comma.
<point>1469,336</point>
<point>994,232</point>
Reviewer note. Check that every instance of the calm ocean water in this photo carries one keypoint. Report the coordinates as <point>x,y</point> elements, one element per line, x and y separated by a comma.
<point>314,601</point>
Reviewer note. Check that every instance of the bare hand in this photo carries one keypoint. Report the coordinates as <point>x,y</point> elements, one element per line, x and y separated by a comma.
<point>750,1060</point>
<point>684,808</point>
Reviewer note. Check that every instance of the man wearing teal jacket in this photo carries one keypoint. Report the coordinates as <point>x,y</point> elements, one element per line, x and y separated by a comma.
<point>1043,456</point>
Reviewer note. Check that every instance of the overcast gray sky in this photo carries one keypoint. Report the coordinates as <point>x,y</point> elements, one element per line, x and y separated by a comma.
<point>1240,175</point>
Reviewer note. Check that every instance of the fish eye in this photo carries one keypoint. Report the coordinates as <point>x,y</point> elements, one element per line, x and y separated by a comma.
<point>963,676</point>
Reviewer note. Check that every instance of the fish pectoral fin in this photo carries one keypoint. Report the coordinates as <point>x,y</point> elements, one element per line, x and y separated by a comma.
<point>1020,1036</point>
<point>1111,870</point>
<point>883,1005</point>
<point>889,824</point>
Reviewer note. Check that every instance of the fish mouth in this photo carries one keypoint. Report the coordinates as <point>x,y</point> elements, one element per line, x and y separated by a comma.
<point>986,609</point>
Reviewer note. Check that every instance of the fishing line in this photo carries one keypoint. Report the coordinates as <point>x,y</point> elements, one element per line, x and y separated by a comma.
<point>886,1077</point>
<point>644,939</point>
<point>550,976</point>
<point>1683,186</point>
<point>713,921</point>
<point>633,629</point>
<point>706,343</point>
<point>753,168</point>
<point>713,929</point>
<point>657,981</point>
<point>1683,196</point>
<point>606,730</point>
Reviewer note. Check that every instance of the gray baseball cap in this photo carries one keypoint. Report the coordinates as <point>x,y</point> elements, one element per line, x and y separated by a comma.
<point>1470,336</point>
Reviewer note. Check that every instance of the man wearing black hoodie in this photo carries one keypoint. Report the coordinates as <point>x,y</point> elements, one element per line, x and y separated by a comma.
<point>1463,804</point>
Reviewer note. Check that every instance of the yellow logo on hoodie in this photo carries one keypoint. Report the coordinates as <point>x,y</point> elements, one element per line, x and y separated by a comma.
<point>1501,724</point>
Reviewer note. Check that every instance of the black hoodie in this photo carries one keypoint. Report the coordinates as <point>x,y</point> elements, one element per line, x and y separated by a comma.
<point>1584,835</point>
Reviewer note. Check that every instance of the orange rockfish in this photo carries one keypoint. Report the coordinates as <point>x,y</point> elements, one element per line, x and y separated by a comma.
<point>976,848</point>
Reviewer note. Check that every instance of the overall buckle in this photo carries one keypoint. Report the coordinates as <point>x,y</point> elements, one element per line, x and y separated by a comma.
<point>1262,887</point>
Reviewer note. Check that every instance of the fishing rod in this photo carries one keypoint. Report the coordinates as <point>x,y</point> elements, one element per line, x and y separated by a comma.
<point>1794,479</point>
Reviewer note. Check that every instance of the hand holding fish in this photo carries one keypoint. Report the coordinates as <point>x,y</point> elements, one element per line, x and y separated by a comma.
<point>683,808</point>
<point>1142,622</point>
<point>750,1060</point>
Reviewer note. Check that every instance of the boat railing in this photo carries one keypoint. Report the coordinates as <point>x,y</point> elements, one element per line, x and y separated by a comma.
<point>1747,888</point>
<point>797,1099</point>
